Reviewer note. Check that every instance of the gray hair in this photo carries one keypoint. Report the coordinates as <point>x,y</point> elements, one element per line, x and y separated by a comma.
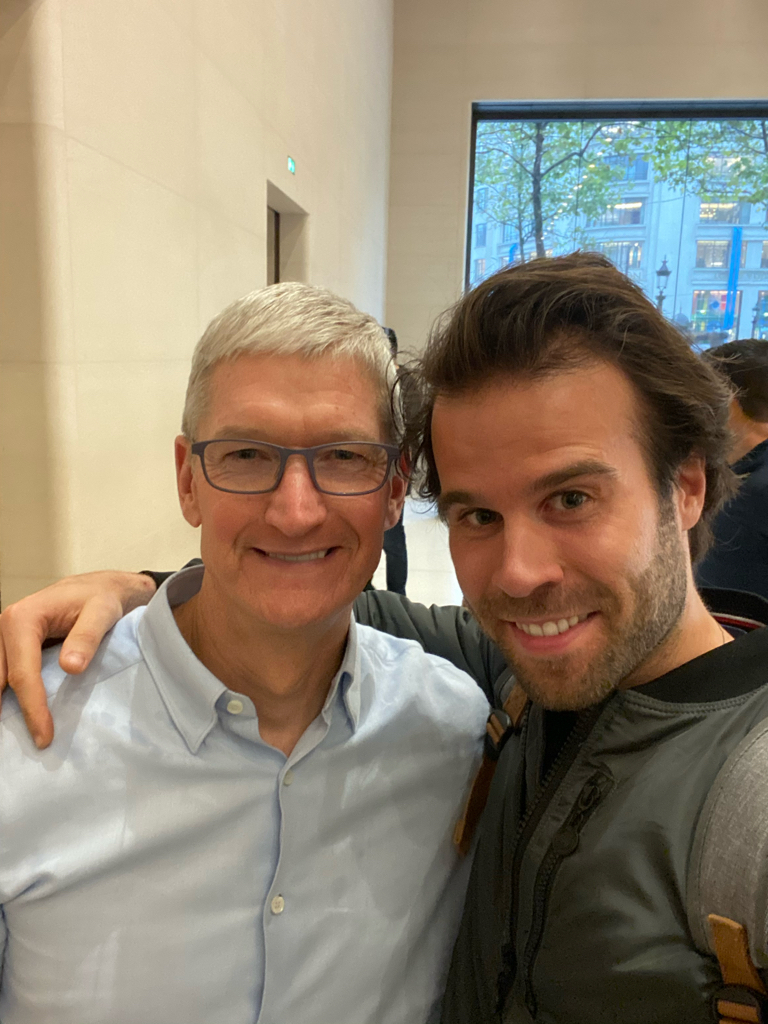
<point>291,319</point>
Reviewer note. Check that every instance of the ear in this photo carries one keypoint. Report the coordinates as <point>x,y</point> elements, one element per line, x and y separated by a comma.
<point>186,481</point>
<point>691,490</point>
<point>398,486</point>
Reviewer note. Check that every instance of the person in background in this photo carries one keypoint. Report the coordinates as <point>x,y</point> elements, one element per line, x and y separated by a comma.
<point>394,539</point>
<point>738,558</point>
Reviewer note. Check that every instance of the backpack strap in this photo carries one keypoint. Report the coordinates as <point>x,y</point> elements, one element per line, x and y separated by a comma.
<point>742,997</point>
<point>727,886</point>
<point>501,725</point>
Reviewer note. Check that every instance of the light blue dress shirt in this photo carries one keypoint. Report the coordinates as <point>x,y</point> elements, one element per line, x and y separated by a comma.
<point>160,864</point>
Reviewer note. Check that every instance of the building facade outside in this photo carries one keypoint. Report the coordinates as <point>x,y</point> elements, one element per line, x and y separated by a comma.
<point>715,251</point>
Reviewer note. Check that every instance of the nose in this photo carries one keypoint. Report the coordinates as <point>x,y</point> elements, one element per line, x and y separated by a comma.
<point>296,506</point>
<point>530,558</point>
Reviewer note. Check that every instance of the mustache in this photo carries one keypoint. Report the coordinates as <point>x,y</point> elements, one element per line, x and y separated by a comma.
<point>554,604</point>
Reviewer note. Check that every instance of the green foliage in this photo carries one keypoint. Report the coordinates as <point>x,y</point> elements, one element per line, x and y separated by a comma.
<point>540,175</point>
<point>547,179</point>
<point>717,160</point>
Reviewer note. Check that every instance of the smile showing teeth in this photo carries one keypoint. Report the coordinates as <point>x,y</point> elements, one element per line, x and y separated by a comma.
<point>550,628</point>
<point>311,557</point>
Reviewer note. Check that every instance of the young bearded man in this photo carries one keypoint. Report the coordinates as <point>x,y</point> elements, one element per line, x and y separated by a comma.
<point>247,809</point>
<point>578,450</point>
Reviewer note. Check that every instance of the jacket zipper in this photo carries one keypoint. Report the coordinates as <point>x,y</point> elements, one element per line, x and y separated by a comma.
<point>564,842</point>
<point>525,829</point>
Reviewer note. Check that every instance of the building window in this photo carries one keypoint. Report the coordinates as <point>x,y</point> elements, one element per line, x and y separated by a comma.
<point>724,213</point>
<point>480,234</point>
<point>764,258</point>
<point>624,255</point>
<point>479,269</point>
<point>709,313</point>
<point>716,254</point>
<point>635,167</point>
<point>629,211</point>
<point>481,198</point>
<point>508,234</point>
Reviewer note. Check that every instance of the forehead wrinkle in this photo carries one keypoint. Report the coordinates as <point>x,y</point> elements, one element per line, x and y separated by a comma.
<point>241,433</point>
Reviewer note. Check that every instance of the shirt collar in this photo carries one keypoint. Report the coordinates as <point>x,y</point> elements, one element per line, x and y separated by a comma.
<point>189,690</point>
<point>347,681</point>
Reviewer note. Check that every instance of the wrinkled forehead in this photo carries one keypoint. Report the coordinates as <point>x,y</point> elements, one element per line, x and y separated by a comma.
<point>325,392</point>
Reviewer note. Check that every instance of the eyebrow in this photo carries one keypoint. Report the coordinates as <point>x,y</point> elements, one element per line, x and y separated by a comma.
<point>586,467</point>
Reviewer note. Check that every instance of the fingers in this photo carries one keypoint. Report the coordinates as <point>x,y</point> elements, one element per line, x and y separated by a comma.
<point>98,616</point>
<point>89,605</point>
<point>26,681</point>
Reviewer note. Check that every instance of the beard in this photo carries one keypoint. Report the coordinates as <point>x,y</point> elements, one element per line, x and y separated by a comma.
<point>638,622</point>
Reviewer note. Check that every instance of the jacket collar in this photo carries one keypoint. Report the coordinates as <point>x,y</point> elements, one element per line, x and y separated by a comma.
<point>729,671</point>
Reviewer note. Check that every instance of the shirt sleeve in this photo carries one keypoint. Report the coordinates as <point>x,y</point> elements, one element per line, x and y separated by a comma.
<point>449,632</point>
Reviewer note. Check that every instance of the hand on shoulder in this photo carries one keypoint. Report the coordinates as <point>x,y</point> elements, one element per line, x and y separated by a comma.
<point>80,610</point>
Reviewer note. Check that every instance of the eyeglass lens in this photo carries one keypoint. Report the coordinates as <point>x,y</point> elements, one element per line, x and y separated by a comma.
<point>250,466</point>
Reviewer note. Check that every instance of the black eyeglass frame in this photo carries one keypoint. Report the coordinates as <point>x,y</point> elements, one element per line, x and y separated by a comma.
<point>393,454</point>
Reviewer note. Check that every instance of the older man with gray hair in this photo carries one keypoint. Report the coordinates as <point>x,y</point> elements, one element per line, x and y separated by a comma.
<point>246,811</point>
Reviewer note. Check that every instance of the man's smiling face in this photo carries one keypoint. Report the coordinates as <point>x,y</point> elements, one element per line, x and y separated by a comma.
<point>249,541</point>
<point>562,546</point>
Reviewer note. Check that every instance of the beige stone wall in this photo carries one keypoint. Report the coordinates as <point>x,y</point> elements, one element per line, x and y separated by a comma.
<point>139,140</point>
<point>449,53</point>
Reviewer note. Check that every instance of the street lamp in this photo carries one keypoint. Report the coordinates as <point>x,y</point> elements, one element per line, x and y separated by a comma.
<point>662,279</point>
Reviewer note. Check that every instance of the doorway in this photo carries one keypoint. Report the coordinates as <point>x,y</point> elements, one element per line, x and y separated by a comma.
<point>273,246</point>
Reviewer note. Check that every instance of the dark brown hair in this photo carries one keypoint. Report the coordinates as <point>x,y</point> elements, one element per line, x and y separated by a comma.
<point>745,364</point>
<point>553,315</point>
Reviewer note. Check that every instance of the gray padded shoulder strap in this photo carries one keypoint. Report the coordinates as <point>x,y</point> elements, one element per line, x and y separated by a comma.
<point>503,687</point>
<point>728,872</point>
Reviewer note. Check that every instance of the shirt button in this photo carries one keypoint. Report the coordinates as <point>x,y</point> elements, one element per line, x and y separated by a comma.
<point>234,707</point>
<point>278,905</point>
<point>288,778</point>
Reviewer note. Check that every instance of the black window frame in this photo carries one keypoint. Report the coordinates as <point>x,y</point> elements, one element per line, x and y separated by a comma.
<point>594,110</point>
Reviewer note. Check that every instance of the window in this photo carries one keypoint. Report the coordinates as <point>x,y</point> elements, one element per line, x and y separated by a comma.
<point>479,269</point>
<point>709,313</point>
<point>724,213</point>
<point>625,255</point>
<point>635,167</point>
<point>640,181</point>
<point>480,232</point>
<point>629,211</point>
<point>716,255</point>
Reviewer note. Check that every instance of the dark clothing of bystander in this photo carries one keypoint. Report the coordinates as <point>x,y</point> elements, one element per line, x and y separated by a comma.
<point>397,557</point>
<point>738,558</point>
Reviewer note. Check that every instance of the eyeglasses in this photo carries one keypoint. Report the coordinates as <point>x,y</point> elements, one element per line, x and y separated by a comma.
<point>255,467</point>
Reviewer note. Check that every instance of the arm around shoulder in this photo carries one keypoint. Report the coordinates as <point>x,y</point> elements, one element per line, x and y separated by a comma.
<point>79,608</point>
<point>448,631</point>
